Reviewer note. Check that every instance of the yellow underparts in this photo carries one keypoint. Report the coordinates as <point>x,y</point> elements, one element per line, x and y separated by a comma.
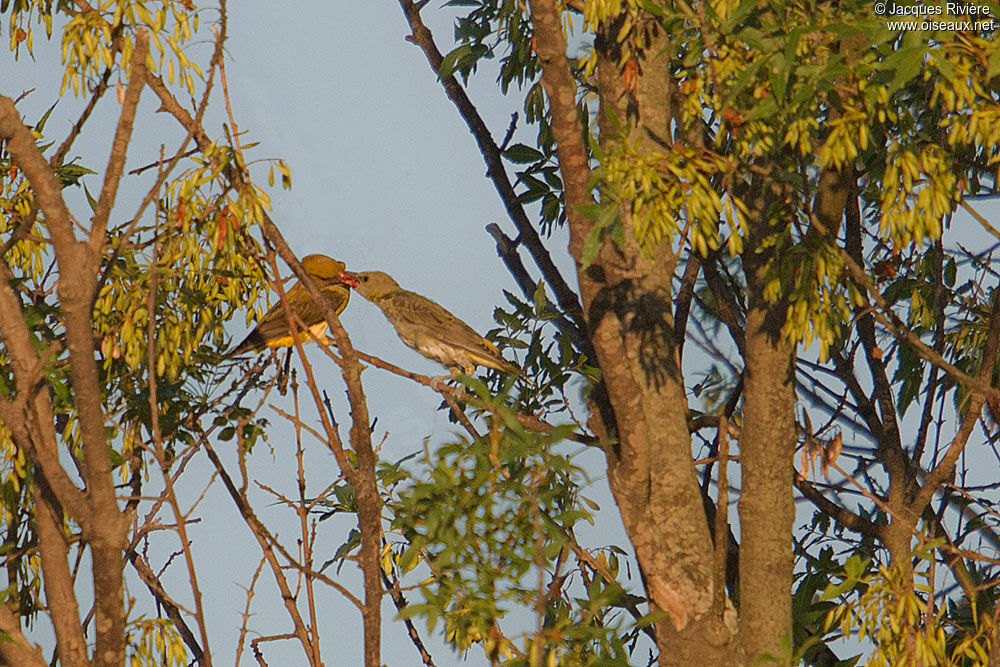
<point>318,330</point>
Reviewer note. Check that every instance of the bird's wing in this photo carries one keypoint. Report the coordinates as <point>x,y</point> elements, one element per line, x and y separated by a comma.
<point>422,317</point>
<point>417,311</point>
<point>336,297</point>
<point>476,347</point>
<point>275,323</point>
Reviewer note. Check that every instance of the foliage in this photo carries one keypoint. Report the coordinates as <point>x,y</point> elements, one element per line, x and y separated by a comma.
<point>492,522</point>
<point>907,625</point>
<point>154,641</point>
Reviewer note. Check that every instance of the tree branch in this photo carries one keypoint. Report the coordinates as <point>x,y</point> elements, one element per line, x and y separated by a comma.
<point>57,580</point>
<point>685,295</point>
<point>123,136</point>
<point>369,504</point>
<point>839,514</point>
<point>397,599</point>
<point>970,416</point>
<point>550,45</point>
<point>264,539</point>
<point>527,236</point>
<point>888,318</point>
<point>155,587</point>
<point>507,250</point>
<point>36,434</point>
<point>15,649</point>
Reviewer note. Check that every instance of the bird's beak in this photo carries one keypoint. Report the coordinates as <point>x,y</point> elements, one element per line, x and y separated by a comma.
<point>349,280</point>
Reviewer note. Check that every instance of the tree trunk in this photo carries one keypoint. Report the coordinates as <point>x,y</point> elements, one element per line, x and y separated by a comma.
<point>766,505</point>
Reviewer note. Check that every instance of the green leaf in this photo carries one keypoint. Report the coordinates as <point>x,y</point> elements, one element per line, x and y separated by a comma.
<point>836,590</point>
<point>570,517</point>
<point>116,458</point>
<point>778,77</point>
<point>523,154</point>
<point>411,610</point>
<point>540,298</point>
<point>90,198</point>
<point>994,64</point>
<point>509,419</point>
<point>40,125</point>
<point>950,272</point>
<point>766,108</point>
<point>450,62</point>
<point>755,39</point>
<point>737,16</point>
<point>536,189</point>
<point>653,8</point>
<point>903,65</point>
<point>551,206</point>
<point>353,541</point>
<point>743,80</point>
<point>606,217</point>
<point>71,174</point>
<point>649,619</point>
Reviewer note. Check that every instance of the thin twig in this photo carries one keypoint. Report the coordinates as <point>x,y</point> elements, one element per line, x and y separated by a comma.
<point>392,587</point>
<point>246,612</point>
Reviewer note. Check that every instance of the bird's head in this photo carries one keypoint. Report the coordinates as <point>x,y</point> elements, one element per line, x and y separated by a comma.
<point>369,284</point>
<point>321,267</point>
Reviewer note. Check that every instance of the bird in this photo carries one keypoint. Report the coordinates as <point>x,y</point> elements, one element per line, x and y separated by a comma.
<point>427,327</point>
<point>272,329</point>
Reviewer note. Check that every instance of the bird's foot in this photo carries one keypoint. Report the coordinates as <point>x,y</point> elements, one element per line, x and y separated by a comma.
<point>441,384</point>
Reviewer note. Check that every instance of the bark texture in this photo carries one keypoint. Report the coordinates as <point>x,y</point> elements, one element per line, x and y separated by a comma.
<point>766,505</point>
<point>628,300</point>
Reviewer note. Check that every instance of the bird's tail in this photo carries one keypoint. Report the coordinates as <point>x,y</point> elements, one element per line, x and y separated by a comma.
<point>497,363</point>
<point>252,343</point>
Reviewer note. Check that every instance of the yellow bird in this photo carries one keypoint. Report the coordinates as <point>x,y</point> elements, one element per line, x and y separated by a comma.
<point>272,329</point>
<point>427,327</point>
